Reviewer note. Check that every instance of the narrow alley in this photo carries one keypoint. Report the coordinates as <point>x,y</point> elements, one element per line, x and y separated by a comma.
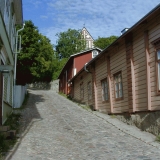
<point>55,128</point>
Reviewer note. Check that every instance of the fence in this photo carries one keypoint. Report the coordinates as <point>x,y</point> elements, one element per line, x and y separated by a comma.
<point>19,95</point>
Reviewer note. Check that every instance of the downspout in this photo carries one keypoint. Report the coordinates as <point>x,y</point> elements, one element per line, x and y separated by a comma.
<point>85,68</point>
<point>15,59</point>
<point>94,85</point>
<point>15,63</point>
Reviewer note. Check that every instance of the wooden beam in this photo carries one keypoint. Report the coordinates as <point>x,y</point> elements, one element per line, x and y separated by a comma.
<point>130,73</point>
<point>95,88</point>
<point>147,54</point>
<point>109,84</point>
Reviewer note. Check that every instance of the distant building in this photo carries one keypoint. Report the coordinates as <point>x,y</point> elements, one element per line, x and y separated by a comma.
<point>87,36</point>
<point>74,64</point>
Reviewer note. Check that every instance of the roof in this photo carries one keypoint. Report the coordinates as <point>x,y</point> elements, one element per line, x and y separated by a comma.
<point>120,38</point>
<point>76,54</point>
<point>127,32</point>
<point>73,55</point>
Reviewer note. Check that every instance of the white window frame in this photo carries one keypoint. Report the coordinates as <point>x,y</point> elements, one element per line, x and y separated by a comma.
<point>118,85</point>
<point>104,86</point>
<point>156,44</point>
<point>94,53</point>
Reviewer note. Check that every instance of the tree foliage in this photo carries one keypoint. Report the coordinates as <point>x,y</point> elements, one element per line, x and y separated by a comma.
<point>58,65</point>
<point>69,42</point>
<point>103,42</point>
<point>35,62</point>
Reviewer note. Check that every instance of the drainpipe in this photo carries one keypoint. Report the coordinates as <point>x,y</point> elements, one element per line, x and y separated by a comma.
<point>94,85</point>
<point>15,60</point>
<point>85,68</point>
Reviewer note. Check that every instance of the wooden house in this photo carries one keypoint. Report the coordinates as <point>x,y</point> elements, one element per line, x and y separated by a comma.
<point>74,64</point>
<point>10,16</point>
<point>125,76</point>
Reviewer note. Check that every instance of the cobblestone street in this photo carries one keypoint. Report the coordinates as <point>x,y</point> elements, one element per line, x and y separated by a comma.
<point>55,128</point>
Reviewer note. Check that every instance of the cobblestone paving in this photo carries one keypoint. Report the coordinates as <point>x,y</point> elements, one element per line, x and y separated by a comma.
<point>58,129</point>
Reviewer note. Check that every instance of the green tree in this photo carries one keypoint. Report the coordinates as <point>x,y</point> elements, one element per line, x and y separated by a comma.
<point>69,42</point>
<point>35,60</point>
<point>58,65</point>
<point>103,42</point>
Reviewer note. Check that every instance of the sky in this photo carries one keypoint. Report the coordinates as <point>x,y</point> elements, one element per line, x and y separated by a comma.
<point>102,18</point>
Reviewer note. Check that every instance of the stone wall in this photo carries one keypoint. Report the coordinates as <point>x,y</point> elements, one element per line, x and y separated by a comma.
<point>146,121</point>
<point>54,85</point>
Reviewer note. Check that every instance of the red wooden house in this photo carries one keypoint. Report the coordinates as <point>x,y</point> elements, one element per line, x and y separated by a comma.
<point>73,66</point>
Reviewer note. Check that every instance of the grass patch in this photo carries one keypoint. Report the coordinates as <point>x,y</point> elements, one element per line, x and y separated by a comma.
<point>62,94</point>
<point>88,108</point>
<point>158,138</point>
<point>6,143</point>
<point>113,116</point>
<point>3,145</point>
<point>13,121</point>
<point>66,96</point>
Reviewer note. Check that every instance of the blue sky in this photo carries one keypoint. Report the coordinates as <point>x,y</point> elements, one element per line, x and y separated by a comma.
<point>102,18</point>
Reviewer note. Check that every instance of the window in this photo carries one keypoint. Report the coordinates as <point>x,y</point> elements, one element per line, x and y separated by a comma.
<point>104,90</point>
<point>89,87</point>
<point>81,90</point>
<point>156,44</point>
<point>118,85</point>
<point>94,53</point>
<point>158,68</point>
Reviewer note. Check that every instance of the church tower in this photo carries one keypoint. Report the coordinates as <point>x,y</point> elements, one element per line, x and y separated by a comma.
<point>89,40</point>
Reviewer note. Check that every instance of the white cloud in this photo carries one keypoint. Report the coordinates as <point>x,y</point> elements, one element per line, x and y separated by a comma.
<point>102,18</point>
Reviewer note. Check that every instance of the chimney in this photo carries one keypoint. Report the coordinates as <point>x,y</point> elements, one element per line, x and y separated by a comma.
<point>124,30</point>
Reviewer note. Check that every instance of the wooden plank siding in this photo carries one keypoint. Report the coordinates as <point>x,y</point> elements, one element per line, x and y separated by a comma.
<point>101,74</point>
<point>84,78</point>
<point>154,33</point>
<point>139,69</point>
<point>118,63</point>
<point>134,56</point>
<point>130,72</point>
